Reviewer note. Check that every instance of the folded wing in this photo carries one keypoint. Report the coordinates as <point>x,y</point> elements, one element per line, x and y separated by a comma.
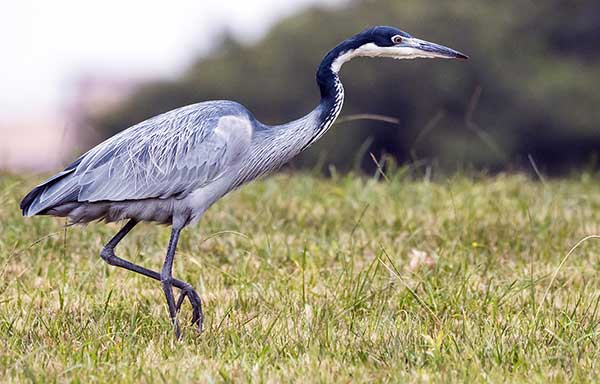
<point>169,155</point>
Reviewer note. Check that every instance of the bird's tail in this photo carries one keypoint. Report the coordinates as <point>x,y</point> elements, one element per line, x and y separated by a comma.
<point>58,189</point>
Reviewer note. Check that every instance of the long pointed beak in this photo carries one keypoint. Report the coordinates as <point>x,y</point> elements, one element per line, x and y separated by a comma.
<point>435,50</point>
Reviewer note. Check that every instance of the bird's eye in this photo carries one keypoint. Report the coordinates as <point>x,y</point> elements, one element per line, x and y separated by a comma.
<point>397,39</point>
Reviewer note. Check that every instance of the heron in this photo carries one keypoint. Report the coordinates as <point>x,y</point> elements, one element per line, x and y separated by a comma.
<point>171,168</point>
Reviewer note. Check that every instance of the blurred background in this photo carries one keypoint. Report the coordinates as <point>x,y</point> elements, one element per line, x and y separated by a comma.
<point>73,73</point>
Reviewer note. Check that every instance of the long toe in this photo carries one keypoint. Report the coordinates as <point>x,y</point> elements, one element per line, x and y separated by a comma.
<point>168,290</point>
<point>195,302</point>
<point>198,318</point>
<point>177,330</point>
<point>180,299</point>
<point>197,314</point>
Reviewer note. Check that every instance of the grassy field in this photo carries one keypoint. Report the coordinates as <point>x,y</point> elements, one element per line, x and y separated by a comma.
<point>314,280</point>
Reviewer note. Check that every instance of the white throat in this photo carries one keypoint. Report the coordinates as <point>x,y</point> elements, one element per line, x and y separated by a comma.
<point>373,50</point>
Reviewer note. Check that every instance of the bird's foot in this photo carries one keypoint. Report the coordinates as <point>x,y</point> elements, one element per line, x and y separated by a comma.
<point>167,285</point>
<point>197,314</point>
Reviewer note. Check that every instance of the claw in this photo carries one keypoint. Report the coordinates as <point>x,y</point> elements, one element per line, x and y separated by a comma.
<point>197,315</point>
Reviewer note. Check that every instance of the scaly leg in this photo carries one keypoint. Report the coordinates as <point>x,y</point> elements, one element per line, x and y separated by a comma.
<point>108,255</point>
<point>166,278</point>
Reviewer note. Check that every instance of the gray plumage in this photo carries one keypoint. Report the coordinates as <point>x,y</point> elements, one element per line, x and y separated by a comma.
<point>171,168</point>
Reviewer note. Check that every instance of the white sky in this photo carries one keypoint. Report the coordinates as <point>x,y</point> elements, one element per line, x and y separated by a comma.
<point>45,44</point>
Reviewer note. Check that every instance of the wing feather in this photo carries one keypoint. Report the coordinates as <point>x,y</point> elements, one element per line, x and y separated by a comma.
<point>168,155</point>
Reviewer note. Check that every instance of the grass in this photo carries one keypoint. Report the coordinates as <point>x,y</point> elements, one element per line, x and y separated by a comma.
<point>314,280</point>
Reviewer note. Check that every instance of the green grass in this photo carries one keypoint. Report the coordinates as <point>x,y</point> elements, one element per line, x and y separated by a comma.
<point>314,280</point>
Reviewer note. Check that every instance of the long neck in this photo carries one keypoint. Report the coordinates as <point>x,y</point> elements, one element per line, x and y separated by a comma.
<point>278,144</point>
<point>332,92</point>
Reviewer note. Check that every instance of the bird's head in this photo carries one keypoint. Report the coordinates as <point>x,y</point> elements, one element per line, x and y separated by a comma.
<point>391,42</point>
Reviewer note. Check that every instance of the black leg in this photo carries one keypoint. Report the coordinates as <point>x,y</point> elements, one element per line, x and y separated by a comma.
<point>166,278</point>
<point>108,254</point>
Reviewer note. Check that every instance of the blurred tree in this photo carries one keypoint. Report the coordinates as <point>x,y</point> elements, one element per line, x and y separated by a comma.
<point>531,86</point>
